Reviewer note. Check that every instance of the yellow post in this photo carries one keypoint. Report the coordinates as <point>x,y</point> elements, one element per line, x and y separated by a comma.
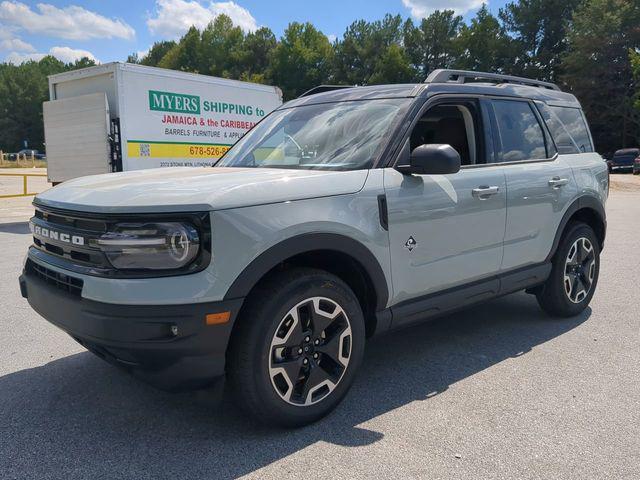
<point>24,185</point>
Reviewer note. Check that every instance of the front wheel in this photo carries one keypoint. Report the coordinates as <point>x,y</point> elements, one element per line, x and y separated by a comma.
<point>297,347</point>
<point>574,273</point>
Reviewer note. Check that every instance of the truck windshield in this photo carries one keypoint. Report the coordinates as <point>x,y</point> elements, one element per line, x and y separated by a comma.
<point>336,136</point>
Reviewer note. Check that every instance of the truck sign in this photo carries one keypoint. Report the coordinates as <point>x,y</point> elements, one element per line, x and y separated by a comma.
<point>173,102</point>
<point>193,125</point>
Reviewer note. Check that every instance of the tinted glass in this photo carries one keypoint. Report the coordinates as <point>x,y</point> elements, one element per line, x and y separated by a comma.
<point>561,137</point>
<point>339,136</point>
<point>573,121</point>
<point>629,152</point>
<point>520,132</point>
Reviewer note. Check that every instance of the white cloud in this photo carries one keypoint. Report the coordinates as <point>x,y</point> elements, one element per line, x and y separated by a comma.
<point>70,55</point>
<point>142,53</point>
<point>332,37</point>
<point>72,22</point>
<point>64,54</point>
<point>173,18</point>
<point>423,8</point>
<point>17,45</point>
<point>18,58</point>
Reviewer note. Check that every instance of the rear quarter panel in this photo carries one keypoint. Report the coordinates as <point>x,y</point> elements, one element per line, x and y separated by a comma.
<point>591,175</point>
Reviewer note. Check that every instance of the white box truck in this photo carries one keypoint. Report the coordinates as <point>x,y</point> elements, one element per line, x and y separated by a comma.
<point>121,116</point>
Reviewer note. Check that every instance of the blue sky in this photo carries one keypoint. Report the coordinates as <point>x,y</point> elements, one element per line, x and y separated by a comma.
<point>109,30</point>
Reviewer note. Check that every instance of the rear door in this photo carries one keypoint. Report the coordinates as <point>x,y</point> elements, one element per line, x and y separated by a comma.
<point>540,183</point>
<point>76,132</point>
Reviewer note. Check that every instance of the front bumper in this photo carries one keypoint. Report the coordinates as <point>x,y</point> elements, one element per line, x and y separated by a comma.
<point>169,346</point>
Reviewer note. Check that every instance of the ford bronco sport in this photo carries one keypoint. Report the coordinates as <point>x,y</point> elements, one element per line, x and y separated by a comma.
<point>344,214</point>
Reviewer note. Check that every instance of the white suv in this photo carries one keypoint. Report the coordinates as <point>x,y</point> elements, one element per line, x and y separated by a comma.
<point>345,213</point>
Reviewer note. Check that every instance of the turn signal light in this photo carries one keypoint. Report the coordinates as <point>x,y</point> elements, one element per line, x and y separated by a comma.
<point>218,318</point>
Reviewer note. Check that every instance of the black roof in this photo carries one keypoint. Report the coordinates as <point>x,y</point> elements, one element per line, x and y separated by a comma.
<point>550,96</point>
<point>627,151</point>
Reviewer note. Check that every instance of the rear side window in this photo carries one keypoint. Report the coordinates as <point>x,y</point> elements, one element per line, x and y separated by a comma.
<point>521,135</point>
<point>574,123</point>
<point>561,136</point>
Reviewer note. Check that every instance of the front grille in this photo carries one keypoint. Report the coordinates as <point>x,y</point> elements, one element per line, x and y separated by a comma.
<point>61,281</point>
<point>69,237</point>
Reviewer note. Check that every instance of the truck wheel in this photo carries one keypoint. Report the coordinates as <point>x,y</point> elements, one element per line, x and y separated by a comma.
<point>296,347</point>
<point>574,273</point>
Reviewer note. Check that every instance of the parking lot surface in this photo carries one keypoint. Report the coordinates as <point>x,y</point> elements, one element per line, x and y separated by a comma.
<point>498,391</point>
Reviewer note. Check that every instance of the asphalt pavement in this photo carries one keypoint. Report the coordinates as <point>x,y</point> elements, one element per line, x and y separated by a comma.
<point>498,391</point>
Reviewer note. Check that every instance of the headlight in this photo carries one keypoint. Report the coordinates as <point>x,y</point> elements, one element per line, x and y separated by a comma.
<point>150,246</point>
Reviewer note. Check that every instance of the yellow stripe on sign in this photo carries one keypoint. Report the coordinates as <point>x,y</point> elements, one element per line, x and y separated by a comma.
<point>140,149</point>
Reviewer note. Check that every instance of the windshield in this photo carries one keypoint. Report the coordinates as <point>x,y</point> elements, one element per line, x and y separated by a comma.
<point>337,136</point>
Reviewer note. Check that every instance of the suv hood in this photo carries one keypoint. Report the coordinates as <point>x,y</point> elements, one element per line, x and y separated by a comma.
<point>181,189</point>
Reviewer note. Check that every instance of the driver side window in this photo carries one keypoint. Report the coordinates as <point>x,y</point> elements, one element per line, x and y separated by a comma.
<point>453,124</point>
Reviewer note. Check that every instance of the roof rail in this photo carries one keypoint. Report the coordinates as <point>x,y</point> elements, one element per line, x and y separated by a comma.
<point>464,76</point>
<point>324,88</point>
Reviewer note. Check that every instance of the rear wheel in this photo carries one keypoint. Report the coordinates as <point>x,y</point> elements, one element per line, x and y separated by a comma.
<point>574,273</point>
<point>297,347</point>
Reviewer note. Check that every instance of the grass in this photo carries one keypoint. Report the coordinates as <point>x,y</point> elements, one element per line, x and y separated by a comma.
<point>23,164</point>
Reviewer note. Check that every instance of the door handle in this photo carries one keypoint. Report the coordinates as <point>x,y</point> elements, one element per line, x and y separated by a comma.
<point>557,182</point>
<point>483,192</point>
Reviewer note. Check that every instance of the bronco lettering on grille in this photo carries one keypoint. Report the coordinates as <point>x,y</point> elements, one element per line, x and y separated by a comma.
<point>55,235</point>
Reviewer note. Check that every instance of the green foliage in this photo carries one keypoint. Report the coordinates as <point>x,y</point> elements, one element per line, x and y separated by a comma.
<point>597,68</point>
<point>301,60</point>
<point>590,46</point>
<point>23,88</point>
<point>432,44</point>
<point>484,45</point>
<point>634,58</point>
<point>256,55</point>
<point>369,51</point>
<point>156,53</point>
<point>539,28</point>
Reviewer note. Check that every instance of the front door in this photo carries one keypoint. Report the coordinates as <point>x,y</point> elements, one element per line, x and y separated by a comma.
<point>446,230</point>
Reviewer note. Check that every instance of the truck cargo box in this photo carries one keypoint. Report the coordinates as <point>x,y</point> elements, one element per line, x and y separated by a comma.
<point>120,116</point>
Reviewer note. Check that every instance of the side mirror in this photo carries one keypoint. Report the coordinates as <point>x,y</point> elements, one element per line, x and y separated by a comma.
<point>432,159</point>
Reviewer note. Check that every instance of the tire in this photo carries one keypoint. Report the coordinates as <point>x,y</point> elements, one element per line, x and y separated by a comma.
<point>574,273</point>
<point>322,342</point>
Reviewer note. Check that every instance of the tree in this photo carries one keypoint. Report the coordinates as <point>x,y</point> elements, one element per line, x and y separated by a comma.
<point>257,50</point>
<point>23,88</point>
<point>392,67</point>
<point>634,58</point>
<point>539,28</point>
<point>185,55</point>
<point>431,45</point>
<point>484,45</point>
<point>221,49</point>
<point>301,60</point>
<point>157,52</point>
<point>597,69</point>
<point>364,53</point>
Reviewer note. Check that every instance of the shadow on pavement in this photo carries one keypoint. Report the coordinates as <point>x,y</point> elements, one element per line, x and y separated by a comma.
<point>78,417</point>
<point>17,228</point>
